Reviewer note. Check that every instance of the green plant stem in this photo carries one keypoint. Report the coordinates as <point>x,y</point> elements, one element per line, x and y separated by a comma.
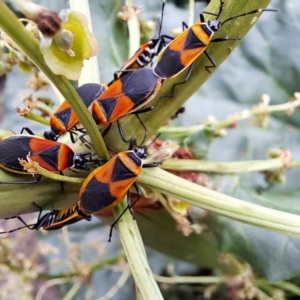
<point>232,119</point>
<point>282,222</point>
<point>4,133</point>
<point>62,178</point>
<point>73,290</point>
<point>49,284</point>
<point>128,231</point>
<point>189,279</point>
<point>47,194</point>
<point>264,285</point>
<point>135,254</point>
<point>227,167</point>
<point>29,46</point>
<point>288,286</point>
<point>34,117</point>
<point>43,107</point>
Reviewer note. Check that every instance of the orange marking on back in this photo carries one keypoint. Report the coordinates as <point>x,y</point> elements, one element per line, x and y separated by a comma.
<point>123,106</point>
<point>190,55</point>
<point>73,120</point>
<point>42,163</point>
<point>96,109</point>
<point>178,43</point>
<point>62,107</point>
<point>113,91</point>
<point>105,171</point>
<point>119,189</point>
<point>55,123</point>
<point>38,145</point>
<point>201,34</point>
<point>86,181</point>
<point>63,157</point>
<point>129,163</point>
<point>102,174</point>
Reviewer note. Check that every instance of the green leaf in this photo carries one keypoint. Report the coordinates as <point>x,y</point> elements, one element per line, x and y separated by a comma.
<point>159,232</point>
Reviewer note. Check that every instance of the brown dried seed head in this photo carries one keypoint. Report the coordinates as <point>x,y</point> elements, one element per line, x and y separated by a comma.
<point>49,23</point>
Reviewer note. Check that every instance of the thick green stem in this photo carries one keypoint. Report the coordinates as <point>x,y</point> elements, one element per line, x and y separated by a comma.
<point>47,194</point>
<point>135,253</point>
<point>210,200</point>
<point>128,231</point>
<point>228,167</point>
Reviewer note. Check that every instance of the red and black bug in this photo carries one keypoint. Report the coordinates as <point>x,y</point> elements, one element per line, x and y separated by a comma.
<point>147,51</point>
<point>64,118</point>
<point>102,190</point>
<point>126,95</point>
<point>55,219</point>
<point>182,52</point>
<point>51,155</point>
<point>106,186</point>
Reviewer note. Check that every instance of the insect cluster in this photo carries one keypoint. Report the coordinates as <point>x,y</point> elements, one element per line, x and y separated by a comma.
<point>133,86</point>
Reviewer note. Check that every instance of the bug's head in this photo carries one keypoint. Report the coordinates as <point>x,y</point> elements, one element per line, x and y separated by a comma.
<point>80,160</point>
<point>141,151</point>
<point>214,25</point>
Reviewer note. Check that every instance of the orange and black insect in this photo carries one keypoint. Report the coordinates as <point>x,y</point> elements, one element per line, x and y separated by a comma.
<point>126,95</point>
<point>55,219</point>
<point>102,190</point>
<point>182,52</point>
<point>147,51</point>
<point>51,155</point>
<point>64,119</point>
<point>107,185</point>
